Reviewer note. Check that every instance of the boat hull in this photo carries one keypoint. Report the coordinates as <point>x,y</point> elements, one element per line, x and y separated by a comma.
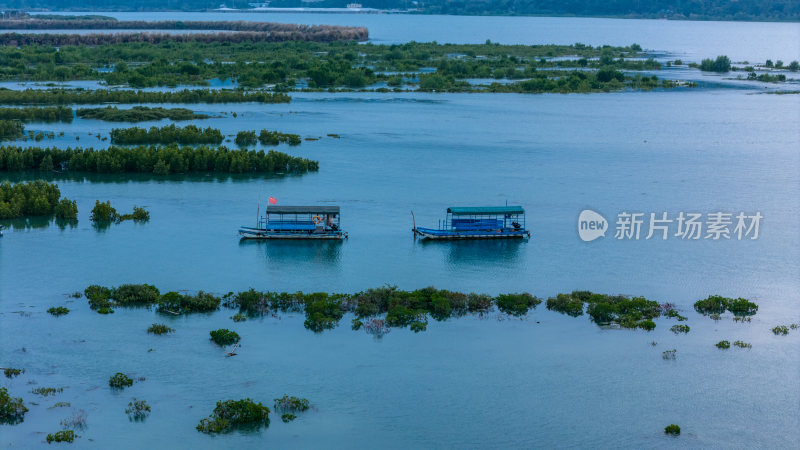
<point>261,234</point>
<point>427,233</point>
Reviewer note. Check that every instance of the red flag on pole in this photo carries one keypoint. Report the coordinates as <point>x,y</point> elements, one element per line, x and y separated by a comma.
<point>273,200</point>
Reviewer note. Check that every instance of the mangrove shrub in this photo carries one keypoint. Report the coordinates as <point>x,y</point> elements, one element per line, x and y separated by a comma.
<point>516,304</point>
<point>61,436</point>
<point>28,199</point>
<point>223,337</point>
<point>233,414</point>
<point>120,381</point>
<point>137,410</point>
<point>58,311</point>
<point>12,409</point>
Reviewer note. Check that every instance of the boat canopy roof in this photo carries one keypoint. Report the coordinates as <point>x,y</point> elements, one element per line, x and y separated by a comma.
<point>302,209</point>
<point>485,210</point>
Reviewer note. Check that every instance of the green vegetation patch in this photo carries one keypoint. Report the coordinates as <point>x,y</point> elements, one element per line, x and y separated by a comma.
<point>159,329</point>
<point>781,330</point>
<point>291,404</point>
<point>223,337</point>
<point>672,430</point>
<point>517,304</point>
<point>47,391</point>
<point>28,199</point>
<point>266,137</point>
<point>61,436</point>
<point>717,304</point>
<point>100,96</point>
<point>58,311</point>
<point>31,114</point>
<point>678,329</point>
<point>12,409</point>
<point>742,344</point>
<point>11,129</point>
<point>11,372</point>
<point>175,303</point>
<point>104,213</point>
<point>170,134</point>
<point>156,160</point>
<point>235,414</point>
<point>569,304</point>
<point>723,344</point>
<point>137,114</point>
<point>120,381</point>
<point>137,410</point>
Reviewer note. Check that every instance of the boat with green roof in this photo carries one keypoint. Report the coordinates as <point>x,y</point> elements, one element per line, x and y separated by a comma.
<point>481,222</point>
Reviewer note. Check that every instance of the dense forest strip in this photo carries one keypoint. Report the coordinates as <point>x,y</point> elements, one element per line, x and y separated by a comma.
<point>108,23</point>
<point>49,114</point>
<point>158,160</point>
<point>60,40</point>
<point>136,114</point>
<point>169,134</point>
<point>67,96</point>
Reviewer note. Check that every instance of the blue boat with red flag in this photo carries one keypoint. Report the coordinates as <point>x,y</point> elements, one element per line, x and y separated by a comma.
<point>297,222</point>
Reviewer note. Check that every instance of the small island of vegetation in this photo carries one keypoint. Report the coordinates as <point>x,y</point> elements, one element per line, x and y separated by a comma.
<point>137,114</point>
<point>34,198</point>
<point>233,414</point>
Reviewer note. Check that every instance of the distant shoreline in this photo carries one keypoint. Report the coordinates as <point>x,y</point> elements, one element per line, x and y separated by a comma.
<point>413,12</point>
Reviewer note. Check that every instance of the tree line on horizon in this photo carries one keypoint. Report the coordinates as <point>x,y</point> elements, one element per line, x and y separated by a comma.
<point>785,10</point>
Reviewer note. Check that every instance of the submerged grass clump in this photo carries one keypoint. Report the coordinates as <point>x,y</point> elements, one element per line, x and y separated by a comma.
<point>47,391</point>
<point>669,354</point>
<point>61,436</point>
<point>137,410</point>
<point>58,311</point>
<point>288,417</point>
<point>781,330</point>
<point>120,381</point>
<point>11,372</point>
<point>677,329</point>
<point>674,313</point>
<point>672,430</point>
<point>232,414</point>
<point>77,421</point>
<point>291,404</point>
<point>160,328</point>
<point>223,337</point>
<point>742,344</point>
<point>12,409</point>
<point>723,344</point>
<point>238,317</point>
